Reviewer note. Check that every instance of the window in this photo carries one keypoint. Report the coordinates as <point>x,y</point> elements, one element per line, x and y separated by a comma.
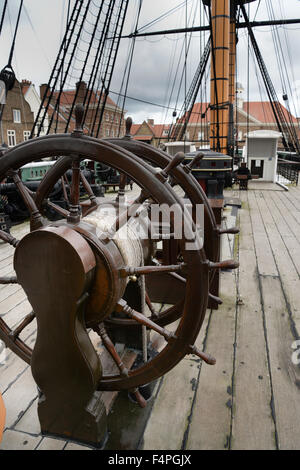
<point>165,132</point>
<point>200,135</point>
<point>112,133</point>
<point>107,116</point>
<point>11,137</point>
<point>107,132</point>
<point>17,115</point>
<point>26,135</point>
<point>112,118</point>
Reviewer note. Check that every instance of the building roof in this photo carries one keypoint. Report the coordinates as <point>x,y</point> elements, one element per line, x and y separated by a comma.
<point>262,111</point>
<point>67,98</point>
<point>155,130</point>
<point>142,137</point>
<point>199,109</point>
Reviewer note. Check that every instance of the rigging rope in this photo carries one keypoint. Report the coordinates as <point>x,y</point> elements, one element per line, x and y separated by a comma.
<point>3,15</point>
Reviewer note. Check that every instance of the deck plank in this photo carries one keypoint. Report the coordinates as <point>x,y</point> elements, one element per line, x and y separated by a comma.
<point>253,426</point>
<point>289,218</point>
<point>285,375</point>
<point>19,397</point>
<point>291,242</point>
<point>284,261</point>
<point>265,261</point>
<point>172,408</point>
<point>14,440</point>
<point>211,417</point>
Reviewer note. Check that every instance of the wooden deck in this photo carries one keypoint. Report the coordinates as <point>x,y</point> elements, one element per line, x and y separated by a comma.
<point>251,398</point>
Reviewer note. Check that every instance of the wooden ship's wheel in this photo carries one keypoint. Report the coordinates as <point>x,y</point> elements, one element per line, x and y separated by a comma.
<point>75,273</point>
<point>170,248</point>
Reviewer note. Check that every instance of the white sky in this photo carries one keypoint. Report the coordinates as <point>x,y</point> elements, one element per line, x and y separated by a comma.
<point>151,78</point>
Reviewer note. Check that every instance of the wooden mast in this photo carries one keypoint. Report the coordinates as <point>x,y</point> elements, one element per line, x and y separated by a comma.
<point>219,101</point>
<point>232,79</point>
<point>223,72</point>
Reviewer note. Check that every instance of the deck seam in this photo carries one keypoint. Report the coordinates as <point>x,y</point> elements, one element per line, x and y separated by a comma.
<point>289,310</point>
<point>22,413</point>
<point>190,416</point>
<point>15,380</point>
<point>237,279</point>
<point>272,402</point>
<point>275,223</point>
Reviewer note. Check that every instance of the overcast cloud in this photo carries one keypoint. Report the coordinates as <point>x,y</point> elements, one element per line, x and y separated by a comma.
<point>156,58</point>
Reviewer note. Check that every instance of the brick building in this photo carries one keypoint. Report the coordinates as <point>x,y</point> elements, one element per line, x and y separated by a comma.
<point>249,117</point>
<point>154,134</point>
<point>59,117</point>
<point>17,119</point>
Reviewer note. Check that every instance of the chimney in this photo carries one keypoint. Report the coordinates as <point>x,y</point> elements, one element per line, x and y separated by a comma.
<point>25,83</point>
<point>43,89</point>
<point>81,91</point>
<point>150,122</point>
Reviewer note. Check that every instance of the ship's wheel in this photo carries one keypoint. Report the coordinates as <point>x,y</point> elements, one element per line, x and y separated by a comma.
<point>111,272</point>
<point>196,197</point>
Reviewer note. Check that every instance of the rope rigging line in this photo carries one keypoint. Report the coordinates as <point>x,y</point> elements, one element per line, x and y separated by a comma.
<point>184,50</point>
<point>56,71</point>
<point>15,36</point>
<point>7,75</point>
<point>111,62</point>
<point>181,125</point>
<point>86,58</point>
<point>284,75</point>
<point>130,63</point>
<point>3,15</point>
<point>289,141</point>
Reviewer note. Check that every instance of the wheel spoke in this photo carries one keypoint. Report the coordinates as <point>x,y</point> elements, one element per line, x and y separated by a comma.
<point>35,215</point>
<point>122,184</point>
<point>8,280</point>
<point>101,331</point>
<point>63,184</point>
<point>128,271</point>
<point>8,238</point>
<point>122,306</point>
<point>17,331</point>
<point>154,314</point>
<point>58,209</point>
<point>127,214</point>
<point>74,217</point>
<point>226,265</point>
<point>89,190</point>
<point>176,160</point>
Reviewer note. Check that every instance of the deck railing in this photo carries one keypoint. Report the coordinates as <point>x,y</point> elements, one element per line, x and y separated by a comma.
<point>288,170</point>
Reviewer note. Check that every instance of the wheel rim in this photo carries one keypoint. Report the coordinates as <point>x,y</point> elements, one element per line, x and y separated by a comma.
<point>143,174</point>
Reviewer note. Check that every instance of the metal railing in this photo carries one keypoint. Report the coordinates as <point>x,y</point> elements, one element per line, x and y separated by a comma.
<point>289,171</point>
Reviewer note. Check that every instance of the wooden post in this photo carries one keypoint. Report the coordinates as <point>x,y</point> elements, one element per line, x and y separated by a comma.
<point>55,267</point>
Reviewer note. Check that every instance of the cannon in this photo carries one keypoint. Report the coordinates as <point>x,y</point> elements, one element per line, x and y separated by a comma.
<point>101,269</point>
<point>31,174</point>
